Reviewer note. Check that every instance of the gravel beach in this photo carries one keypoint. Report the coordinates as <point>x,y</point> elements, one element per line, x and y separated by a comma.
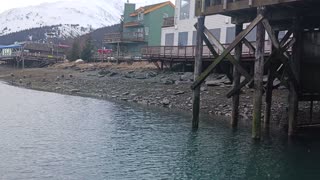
<point>142,83</point>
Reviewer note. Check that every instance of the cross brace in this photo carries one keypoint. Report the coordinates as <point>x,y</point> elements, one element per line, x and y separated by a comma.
<point>225,54</point>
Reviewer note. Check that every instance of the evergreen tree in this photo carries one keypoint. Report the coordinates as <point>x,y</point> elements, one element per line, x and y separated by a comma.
<point>87,51</point>
<point>75,51</point>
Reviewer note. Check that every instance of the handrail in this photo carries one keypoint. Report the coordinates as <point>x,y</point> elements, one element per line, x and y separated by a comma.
<point>189,51</point>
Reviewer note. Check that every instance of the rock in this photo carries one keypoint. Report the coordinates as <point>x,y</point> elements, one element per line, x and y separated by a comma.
<point>75,90</point>
<point>124,99</point>
<point>188,76</point>
<point>79,61</point>
<point>62,76</point>
<point>151,74</point>
<point>57,88</point>
<point>12,75</point>
<point>204,88</point>
<point>179,92</point>
<point>58,78</point>
<point>168,81</point>
<point>276,83</point>
<point>282,87</point>
<point>128,76</point>
<point>113,74</point>
<point>24,77</point>
<point>70,75</point>
<point>213,83</point>
<point>44,80</point>
<point>165,102</point>
<point>104,72</point>
<point>141,77</point>
<point>101,76</point>
<point>126,93</point>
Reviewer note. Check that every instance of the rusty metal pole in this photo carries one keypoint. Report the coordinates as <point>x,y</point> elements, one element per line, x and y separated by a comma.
<point>258,78</point>
<point>197,72</point>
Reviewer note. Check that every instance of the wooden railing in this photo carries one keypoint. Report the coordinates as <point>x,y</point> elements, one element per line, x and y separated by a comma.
<point>190,51</point>
<point>168,22</point>
<point>223,6</point>
<point>123,37</point>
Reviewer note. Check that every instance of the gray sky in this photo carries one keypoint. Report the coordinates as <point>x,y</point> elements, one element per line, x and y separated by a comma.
<point>6,5</point>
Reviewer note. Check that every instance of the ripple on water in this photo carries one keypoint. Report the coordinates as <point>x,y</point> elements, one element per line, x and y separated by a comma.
<point>52,136</point>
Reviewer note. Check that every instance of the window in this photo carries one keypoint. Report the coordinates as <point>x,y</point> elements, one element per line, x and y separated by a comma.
<point>169,39</point>
<point>281,34</point>
<point>183,39</point>
<point>140,16</point>
<point>252,36</point>
<point>231,34</point>
<point>184,9</point>
<point>194,38</point>
<point>146,31</point>
<point>216,33</point>
<point>165,15</point>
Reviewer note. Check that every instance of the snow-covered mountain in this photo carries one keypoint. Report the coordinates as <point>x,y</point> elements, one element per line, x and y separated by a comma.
<point>73,18</point>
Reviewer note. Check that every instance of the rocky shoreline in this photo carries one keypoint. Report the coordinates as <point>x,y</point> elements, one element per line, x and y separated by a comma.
<point>143,84</point>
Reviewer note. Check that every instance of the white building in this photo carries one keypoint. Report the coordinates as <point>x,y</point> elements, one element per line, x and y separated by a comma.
<point>183,32</point>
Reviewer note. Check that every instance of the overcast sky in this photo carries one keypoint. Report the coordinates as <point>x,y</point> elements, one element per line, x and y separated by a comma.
<point>9,4</point>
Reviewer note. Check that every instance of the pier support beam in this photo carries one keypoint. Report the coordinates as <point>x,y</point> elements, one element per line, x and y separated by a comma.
<point>295,65</point>
<point>269,89</point>
<point>197,72</point>
<point>258,78</point>
<point>236,80</point>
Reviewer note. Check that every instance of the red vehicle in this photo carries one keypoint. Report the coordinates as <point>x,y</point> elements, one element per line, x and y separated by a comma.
<point>104,51</point>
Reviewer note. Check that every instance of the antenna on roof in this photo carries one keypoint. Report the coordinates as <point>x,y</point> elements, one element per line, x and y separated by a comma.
<point>127,1</point>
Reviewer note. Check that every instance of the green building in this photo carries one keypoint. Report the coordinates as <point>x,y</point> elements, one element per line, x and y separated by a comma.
<point>139,28</point>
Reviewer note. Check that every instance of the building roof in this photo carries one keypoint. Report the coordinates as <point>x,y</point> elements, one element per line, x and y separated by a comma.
<point>13,46</point>
<point>151,8</point>
<point>45,47</point>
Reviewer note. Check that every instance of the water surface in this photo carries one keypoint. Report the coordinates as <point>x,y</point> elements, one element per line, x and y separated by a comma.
<point>52,136</point>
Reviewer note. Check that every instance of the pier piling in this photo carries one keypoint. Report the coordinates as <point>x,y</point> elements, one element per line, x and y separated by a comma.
<point>258,77</point>
<point>236,80</point>
<point>197,72</point>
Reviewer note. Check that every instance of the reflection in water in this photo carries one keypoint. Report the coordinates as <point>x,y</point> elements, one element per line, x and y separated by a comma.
<point>52,136</point>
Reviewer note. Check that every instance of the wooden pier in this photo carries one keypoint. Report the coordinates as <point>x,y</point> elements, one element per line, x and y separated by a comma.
<point>31,55</point>
<point>186,54</point>
<point>296,69</point>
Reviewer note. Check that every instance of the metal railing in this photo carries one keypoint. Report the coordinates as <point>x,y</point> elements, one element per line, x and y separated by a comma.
<point>126,36</point>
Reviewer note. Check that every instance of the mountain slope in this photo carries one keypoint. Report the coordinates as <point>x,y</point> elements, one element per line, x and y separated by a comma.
<point>75,17</point>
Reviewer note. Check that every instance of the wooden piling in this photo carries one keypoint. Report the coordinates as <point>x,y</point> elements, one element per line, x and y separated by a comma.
<point>295,66</point>
<point>236,80</point>
<point>258,78</point>
<point>197,72</point>
<point>269,89</point>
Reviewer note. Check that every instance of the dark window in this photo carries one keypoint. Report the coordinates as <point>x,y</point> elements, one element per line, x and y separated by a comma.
<point>194,38</point>
<point>281,34</point>
<point>216,33</point>
<point>231,34</point>
<point>183,39</point>
<point>169,39</point>
<point>252,36</point>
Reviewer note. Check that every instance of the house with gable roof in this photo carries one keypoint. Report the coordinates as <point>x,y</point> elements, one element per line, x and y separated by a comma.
<point>140,27</point>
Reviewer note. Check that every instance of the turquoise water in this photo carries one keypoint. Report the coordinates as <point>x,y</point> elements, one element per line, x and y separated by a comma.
<point>51,136</point>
